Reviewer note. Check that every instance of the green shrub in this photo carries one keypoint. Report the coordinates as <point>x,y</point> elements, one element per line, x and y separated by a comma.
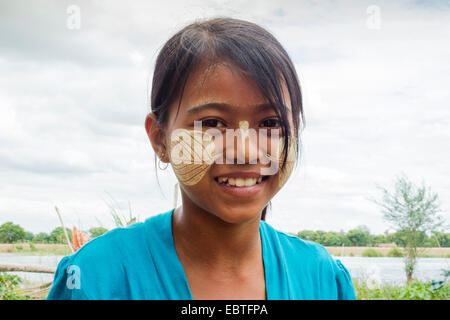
<point>415,291</point>
<point>395,253</point>
<point>371,253</point>
<point>8,285</point>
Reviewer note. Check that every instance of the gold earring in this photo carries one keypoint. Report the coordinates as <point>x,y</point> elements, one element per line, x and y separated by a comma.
<point>159,163</point>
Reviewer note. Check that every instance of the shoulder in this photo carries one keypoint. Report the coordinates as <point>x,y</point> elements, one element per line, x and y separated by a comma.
<point>116,243</point>
<point>97,269</point>
<point>295,247</point>
<point>98,261</point>
<point>309,260</point>
<point>119,242</point>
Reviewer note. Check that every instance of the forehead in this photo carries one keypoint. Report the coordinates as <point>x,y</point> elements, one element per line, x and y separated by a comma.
<point>223,83</point>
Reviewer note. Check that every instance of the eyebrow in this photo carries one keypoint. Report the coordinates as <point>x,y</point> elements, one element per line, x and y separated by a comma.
<point>225,107</point>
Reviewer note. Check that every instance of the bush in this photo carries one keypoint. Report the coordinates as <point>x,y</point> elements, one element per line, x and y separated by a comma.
<point>371,253</point>
<point>8,284</point>
<point>415,291</point>
<point>395,253</point>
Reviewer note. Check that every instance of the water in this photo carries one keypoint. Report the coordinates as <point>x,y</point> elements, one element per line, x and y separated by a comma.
<point>392,270</point>
<point>382,270</point>
<point>44,260</point>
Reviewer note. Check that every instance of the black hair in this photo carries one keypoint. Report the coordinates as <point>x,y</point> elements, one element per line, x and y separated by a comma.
<point>249,48</point>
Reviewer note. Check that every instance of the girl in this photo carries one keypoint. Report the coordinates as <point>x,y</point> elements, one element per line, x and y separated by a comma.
<point>226,111</point>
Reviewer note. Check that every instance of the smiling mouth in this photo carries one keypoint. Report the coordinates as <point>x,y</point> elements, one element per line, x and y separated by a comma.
<point>240,182</point>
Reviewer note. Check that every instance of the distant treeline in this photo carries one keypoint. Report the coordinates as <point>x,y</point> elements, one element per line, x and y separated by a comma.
<point>11,233</point>
<point>359,237</point>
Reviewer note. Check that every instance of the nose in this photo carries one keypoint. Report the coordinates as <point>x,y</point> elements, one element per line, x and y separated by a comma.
<point>242,145</point>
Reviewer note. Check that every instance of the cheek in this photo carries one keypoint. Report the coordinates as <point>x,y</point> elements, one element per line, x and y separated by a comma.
<point>191,155</point>
<point>283,175</point>
<point>190,174</point>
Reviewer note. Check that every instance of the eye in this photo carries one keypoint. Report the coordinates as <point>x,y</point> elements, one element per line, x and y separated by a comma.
<point>215,123</point>
<point>271,123</point>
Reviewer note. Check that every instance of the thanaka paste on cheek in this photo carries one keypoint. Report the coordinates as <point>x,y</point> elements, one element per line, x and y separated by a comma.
<point>192,152</point>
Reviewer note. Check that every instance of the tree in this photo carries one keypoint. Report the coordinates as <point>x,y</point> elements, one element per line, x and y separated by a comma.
<point>441,239</point>
<point>41,237</point>
<point>331,239</point>
<point>10,233</point>
<point>413,210</point>
<point>379,238</point>
<point>96,232</point>
<point>308,235</point>
<point>398,238</point>
<point>29,236</point>
<point>344,240</point>
<point>358,237</point>
<point>320,236</point>
<point>57,235</point>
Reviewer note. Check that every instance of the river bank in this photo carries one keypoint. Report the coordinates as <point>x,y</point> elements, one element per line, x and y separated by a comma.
<point>62,249</point>
<point>35,248</point>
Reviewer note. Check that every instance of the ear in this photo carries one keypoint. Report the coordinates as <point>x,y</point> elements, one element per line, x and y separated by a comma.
<point>156,135</point>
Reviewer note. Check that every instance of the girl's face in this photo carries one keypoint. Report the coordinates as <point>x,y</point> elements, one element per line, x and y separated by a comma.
<point>234,192</point>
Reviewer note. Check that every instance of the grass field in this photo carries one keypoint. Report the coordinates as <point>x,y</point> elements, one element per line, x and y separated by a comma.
<point>37,248</point>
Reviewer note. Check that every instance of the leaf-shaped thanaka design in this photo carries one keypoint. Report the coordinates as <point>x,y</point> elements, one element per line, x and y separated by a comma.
<point>192,152</point>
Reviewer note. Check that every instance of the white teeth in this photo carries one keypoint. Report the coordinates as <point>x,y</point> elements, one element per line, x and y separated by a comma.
<point>239,182</point>
<point>249,182</point>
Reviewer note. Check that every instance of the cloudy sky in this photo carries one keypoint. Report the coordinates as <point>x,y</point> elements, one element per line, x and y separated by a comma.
<point>74,84</point>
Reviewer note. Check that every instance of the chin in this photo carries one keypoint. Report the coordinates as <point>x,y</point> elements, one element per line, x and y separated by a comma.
<point>239,215</point>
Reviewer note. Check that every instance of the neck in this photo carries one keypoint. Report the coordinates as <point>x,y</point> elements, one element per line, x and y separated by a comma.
<point>203,239</point>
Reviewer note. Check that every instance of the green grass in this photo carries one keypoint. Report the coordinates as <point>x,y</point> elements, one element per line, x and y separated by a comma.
<point>414,291</point>
<point>395,253</point>
<point>36,249</point>
<point>371,253</point>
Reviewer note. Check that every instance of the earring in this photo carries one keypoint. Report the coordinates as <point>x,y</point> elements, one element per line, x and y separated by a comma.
<point>159,163</point>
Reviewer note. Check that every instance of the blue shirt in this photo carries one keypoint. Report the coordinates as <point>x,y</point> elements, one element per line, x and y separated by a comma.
<point>140,262</point>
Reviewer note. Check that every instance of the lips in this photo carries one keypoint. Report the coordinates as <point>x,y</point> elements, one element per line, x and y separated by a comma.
<point>240,181</point>
<point>241,184</point>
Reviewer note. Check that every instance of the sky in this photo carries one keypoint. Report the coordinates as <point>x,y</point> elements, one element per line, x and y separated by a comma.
<point>75,78</point>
